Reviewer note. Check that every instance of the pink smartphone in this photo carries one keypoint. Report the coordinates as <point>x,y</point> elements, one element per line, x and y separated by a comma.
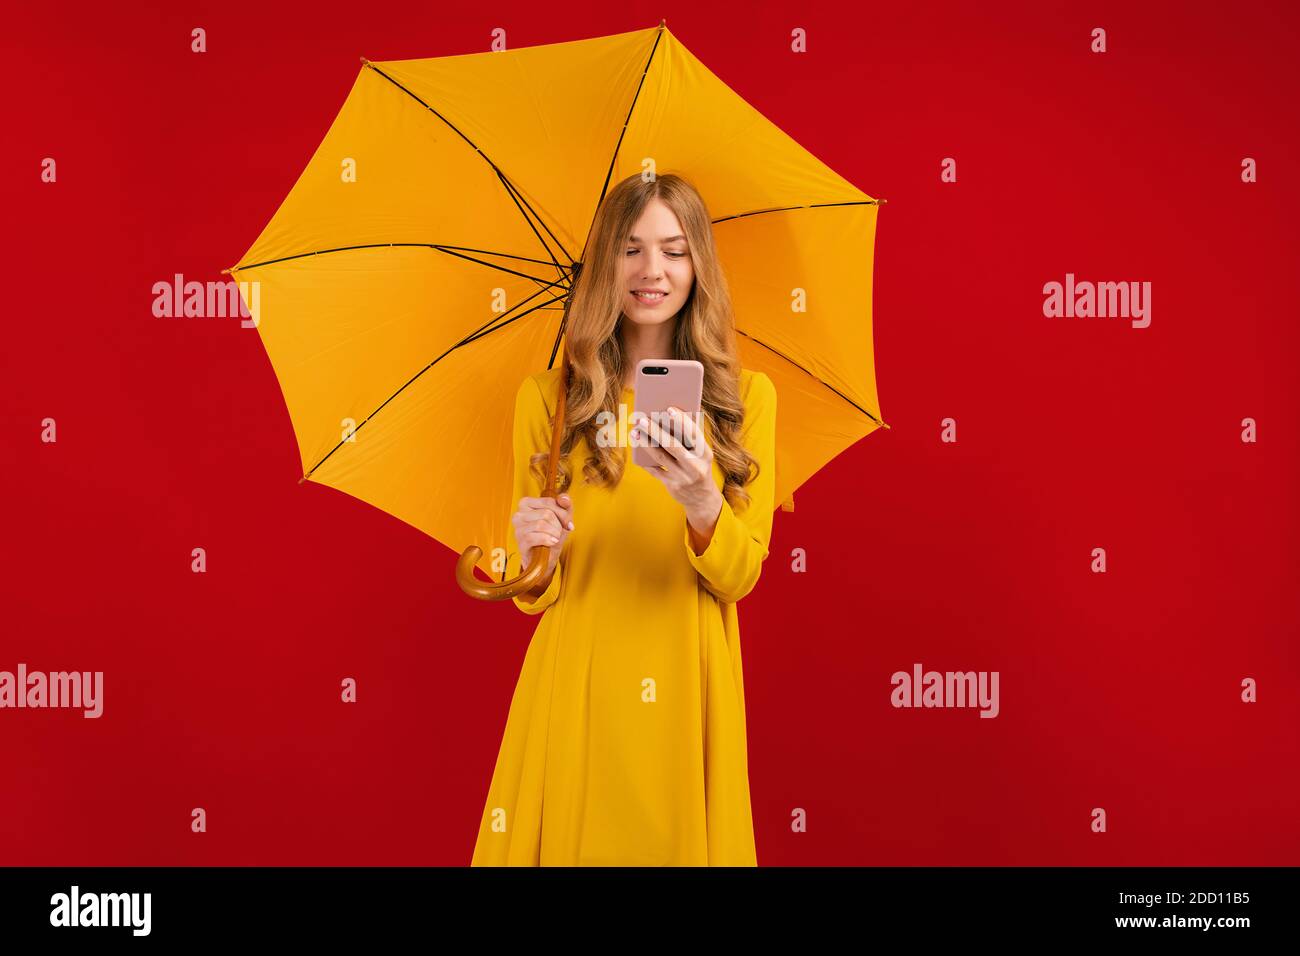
<point>664,382</point>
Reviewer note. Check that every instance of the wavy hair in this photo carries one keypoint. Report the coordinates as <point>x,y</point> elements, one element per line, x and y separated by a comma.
<point>705,331</point>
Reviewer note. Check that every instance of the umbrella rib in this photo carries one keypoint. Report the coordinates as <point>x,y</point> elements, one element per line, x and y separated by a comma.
<point>464,341</point>
<point>759,212</point>
<point>522,275</point>
<point>449,250</point>
<point>545,306</point>
<point>488,326</point>
<point>619,145</point>
<point>518,198</point>
<point>504,179</point>
<point>813,377</point>
<point>555,346</point>
<point>504,255</point>
<point>816,205</point>
<point>384,245</point>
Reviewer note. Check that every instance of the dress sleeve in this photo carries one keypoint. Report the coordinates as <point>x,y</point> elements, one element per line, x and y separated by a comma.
<point>532,433</point>
<point>730,565</point>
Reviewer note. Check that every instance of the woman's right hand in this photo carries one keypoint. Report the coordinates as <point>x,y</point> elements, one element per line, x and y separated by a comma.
<point>542,522</point>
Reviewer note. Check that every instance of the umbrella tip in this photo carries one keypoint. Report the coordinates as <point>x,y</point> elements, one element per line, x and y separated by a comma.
<point>663,21</point>
<point>364,61</point>
<point>226,272</point>
<point>302,479</point>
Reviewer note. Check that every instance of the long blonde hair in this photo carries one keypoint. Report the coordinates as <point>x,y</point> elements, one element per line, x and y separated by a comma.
<point>705,332</point>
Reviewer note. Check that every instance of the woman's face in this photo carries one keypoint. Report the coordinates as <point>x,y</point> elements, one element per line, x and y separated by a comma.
<point>657,257</point>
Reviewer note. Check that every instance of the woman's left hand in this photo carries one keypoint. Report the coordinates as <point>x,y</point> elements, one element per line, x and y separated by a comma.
<point>687,473</point>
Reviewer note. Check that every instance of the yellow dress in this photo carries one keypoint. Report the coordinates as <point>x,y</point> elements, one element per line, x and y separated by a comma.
<point>625,742</point>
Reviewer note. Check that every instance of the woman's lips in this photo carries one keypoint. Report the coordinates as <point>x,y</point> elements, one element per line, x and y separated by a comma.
<point>649,300</point>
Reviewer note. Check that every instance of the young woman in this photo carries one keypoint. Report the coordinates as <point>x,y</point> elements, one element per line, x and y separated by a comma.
<point>625,742</point>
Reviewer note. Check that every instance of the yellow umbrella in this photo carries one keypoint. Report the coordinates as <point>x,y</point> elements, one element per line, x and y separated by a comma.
<point>416,273</point>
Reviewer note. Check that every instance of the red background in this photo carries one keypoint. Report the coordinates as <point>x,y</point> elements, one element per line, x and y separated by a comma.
<point>1118,690</point>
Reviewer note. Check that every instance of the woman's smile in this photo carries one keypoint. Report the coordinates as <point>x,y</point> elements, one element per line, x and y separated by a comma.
<point>650,300</point>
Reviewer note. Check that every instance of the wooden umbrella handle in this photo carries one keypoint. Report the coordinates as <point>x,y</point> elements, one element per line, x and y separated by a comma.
<point>539,559</point>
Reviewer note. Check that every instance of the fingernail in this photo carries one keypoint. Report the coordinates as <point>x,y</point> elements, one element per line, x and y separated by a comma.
<point>570,525</point>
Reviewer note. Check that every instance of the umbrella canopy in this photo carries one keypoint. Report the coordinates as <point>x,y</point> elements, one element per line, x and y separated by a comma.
<point>415,274</point>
